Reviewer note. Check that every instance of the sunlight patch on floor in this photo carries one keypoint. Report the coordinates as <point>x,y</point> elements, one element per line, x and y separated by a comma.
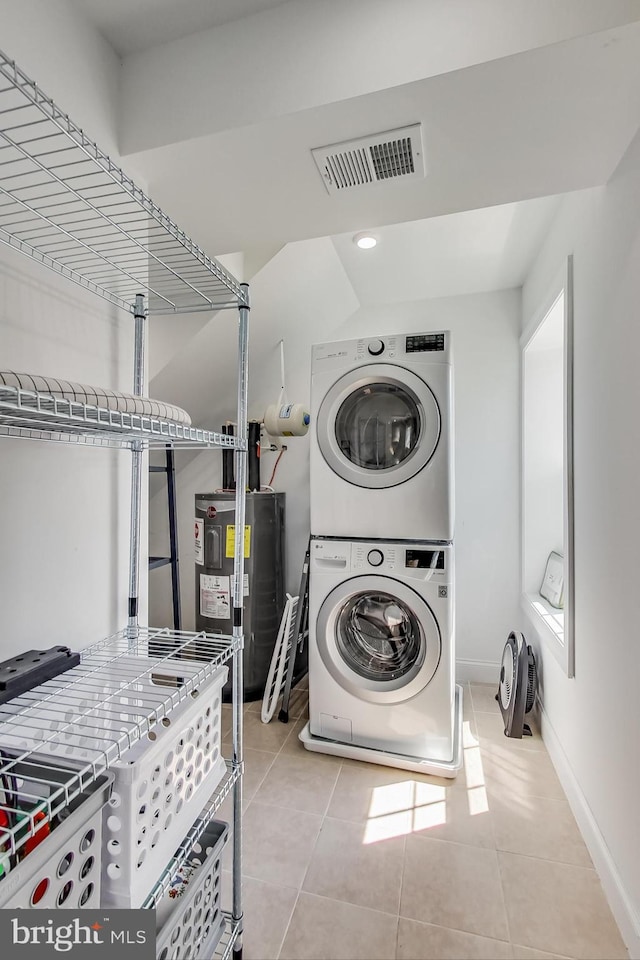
<point>412,806</point>
<point>398,809</point>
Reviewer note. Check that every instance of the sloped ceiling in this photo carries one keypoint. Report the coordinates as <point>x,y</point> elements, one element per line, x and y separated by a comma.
<point>132,27</point>
<point>541,123</point>
<point>471,252</point>
<point>221,106</point>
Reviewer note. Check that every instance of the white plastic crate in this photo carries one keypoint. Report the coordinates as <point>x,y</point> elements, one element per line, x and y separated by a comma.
<point>189,920</point>
<point>64,869</point>
<point>161,785</point>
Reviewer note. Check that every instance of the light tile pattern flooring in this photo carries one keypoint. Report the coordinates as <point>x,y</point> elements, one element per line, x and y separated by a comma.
<point>346,860</point>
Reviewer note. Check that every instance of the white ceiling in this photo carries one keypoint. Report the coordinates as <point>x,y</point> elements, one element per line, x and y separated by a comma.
<point>131,26</point>
<point>470,252</point>
<point>525,103</point>
<point>544,122</point>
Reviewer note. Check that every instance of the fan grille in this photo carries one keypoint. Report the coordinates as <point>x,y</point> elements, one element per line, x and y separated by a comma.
<point>507,675</point>
<point>532,683</point>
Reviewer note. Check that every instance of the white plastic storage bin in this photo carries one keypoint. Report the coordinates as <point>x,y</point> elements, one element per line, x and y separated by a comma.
<point>161,785</point>
<point>63,870</point>
<point>189,920</point>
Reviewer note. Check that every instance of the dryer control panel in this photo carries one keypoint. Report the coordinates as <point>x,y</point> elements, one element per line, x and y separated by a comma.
<point>392,347</point>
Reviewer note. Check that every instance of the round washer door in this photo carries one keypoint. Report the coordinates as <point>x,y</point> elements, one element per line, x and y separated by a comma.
<point>378,426</point>
<point>378,639</point>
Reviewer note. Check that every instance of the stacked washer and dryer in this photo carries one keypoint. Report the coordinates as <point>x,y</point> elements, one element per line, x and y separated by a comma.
<point>381,571</point>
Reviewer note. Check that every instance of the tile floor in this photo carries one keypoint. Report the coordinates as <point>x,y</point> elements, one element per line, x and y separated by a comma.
<point>346,860</point>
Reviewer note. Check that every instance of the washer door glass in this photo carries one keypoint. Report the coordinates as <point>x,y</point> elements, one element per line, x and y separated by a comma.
<point>379,637</point>
<point>378,426</point>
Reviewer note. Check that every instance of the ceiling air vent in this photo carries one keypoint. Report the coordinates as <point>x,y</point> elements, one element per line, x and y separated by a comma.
<point>379,158</point>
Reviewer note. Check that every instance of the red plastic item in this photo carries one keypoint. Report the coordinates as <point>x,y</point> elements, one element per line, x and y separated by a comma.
<point>42,831</point>
<point>4,825</point>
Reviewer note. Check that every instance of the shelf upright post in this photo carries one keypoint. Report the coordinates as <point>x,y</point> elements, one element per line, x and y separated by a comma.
<point>238,601</point>
<point>140,315</point>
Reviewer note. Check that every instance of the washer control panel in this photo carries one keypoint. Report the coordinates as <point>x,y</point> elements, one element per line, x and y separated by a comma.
<point>370,556</point>
<point>405,561</point>
<point>331,554</point>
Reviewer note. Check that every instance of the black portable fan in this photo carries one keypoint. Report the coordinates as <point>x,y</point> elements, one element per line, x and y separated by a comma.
<point>518,685</point>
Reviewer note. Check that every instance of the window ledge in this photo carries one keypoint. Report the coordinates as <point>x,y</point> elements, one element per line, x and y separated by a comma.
<point>548,621</point>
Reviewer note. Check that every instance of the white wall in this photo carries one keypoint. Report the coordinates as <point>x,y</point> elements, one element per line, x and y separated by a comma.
<point>68,59</point>
<point>485,331</point>
<point>304,296</point>
<point>593,720</point>
<point>63,510</point>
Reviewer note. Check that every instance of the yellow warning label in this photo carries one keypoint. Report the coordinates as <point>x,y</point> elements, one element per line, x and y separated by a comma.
<point>231,540</point>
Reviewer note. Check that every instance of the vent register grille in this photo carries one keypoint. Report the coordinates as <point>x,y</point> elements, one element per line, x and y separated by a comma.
<point>370,160</point>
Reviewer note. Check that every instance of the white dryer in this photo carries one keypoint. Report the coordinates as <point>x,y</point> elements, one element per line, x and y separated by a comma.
<point>382,438</point>
<point>381,654</point>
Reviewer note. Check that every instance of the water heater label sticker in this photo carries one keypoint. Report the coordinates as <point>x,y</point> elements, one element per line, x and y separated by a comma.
<point>231,541</point>
<point>198,543</point>
<point>285,411</point>
<point>215,597</point>
<point>245,588</point>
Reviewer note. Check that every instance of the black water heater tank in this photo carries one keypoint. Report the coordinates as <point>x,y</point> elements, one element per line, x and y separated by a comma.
<point>264,576</point>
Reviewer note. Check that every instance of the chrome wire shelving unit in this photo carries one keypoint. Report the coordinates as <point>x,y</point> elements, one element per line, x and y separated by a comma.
<point>66,205</point>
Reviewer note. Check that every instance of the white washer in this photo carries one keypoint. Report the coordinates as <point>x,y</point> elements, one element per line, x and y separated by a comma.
<point>382,438</point>
<point>381,654</point>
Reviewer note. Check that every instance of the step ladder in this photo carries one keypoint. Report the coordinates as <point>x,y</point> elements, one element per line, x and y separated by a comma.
<point>299,637</point>
<point>172,559</point>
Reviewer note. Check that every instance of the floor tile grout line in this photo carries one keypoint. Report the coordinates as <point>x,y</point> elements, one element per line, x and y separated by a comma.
<point>504,898</point>
<point>472,933</point>
<point>404,863</point>
<point>302,882</point>
<point>557,863</point>
<point>560,956</point>
<point>347,903</point>
<point>398,928</point>
<point>357,906</point>
<point>315,844</point>
<point>278,806</point>
<point>286,931</point>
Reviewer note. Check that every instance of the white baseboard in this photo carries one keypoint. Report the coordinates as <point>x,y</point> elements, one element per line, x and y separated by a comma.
<point>621,905</point>
<point>477,671</point>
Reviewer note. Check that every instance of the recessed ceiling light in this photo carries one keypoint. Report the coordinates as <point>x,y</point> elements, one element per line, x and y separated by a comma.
<point>365,241</point>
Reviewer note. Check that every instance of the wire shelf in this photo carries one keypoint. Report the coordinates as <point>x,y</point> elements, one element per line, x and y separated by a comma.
<point>40,416</point>
<point>184,851</point>
<point>65,204</point>
<point>58,737</point>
